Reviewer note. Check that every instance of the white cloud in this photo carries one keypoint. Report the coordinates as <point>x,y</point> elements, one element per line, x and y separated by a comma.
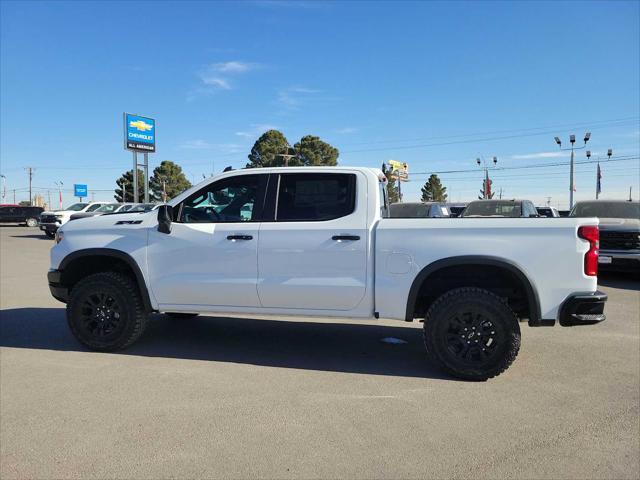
<point>256,130</point>
<point>539,155</point>
<point>196,145</point>
<point>294,97</point>
<point>232,67</point>
<point>218,82</point>
<point>216,76</point>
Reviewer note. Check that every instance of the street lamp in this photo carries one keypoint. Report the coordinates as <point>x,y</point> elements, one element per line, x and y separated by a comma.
<point>572,140</point>
<point>486,189</point>
<point>59,185</point>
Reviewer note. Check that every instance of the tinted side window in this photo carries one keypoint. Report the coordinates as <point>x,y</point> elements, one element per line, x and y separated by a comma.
<point>94,207</point>
<point>225,201</point>
<point>315,196</point>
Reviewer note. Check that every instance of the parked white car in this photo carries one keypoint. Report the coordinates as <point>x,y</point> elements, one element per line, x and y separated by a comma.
<point>317,241</point>
<point>51,221</point>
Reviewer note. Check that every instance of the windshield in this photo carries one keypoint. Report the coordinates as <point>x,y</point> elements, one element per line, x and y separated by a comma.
<point>76,207</point>
<point>606,209</point>
<point>493,209</point>
<point>110,207</point>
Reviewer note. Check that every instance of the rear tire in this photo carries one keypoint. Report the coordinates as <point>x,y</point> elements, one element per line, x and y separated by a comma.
<point>180,315</point>
<point>105,312</point>
<point>471,333</point>
<point>31,222</point>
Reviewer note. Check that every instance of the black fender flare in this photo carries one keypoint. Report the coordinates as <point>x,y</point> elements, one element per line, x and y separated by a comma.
<point>113,253</point>
<point>532,295</point>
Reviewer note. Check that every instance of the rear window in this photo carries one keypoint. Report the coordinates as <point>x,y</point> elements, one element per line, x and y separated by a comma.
<point>409,210</point>
<point>314,197</point>
<point>493,209</point>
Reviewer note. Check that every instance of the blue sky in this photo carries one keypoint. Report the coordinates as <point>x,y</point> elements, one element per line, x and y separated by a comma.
<point>433,84</point>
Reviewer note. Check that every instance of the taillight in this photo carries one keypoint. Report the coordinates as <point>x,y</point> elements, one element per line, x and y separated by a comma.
<point>592,235</point>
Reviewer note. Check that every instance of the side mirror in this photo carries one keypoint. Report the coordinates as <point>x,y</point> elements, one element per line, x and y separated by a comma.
<point>533,215</point>
<point>165,216</point>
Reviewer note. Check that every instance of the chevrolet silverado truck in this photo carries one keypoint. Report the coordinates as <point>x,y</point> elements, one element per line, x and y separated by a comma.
<point>619,232</point>
<point>318,241</point>
<point>51,221</point>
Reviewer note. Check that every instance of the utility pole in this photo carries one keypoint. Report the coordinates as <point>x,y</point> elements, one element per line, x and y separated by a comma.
<point>14,196</point>
<point>572,140</point>
<point>548,201</point>
<point>30,171</point>
<point>629,194</point>
<point>49,195</point>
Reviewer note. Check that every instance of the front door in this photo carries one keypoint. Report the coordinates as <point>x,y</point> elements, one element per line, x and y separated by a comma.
<point>210,256</point>
<point>314,255</point>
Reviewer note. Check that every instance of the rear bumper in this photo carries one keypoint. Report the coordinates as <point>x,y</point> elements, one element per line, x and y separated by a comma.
<point>58,291</point>
<point>583,309</point>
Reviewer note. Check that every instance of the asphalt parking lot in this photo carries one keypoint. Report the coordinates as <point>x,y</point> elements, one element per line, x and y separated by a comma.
<point>248,398</point>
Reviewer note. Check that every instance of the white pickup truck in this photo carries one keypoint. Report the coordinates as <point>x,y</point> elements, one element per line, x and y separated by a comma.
<point>318,241</point>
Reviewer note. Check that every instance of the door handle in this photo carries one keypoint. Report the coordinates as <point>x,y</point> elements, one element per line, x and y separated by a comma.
<point>339,238</point>
<point>239,237</point>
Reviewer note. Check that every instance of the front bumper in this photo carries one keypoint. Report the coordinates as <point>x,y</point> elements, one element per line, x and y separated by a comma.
<point>49,227</point>
<point>619,260</point>
<point>583,309</point>
<point>58,291</point>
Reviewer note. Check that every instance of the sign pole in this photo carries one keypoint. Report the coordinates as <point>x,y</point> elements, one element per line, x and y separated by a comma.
<point>135,177</point>
<point>146,177</point>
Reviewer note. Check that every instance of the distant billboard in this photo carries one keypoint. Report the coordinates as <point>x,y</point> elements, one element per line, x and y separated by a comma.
<point>139,133</point>
<point>80,190</point>
<point>399,170</point>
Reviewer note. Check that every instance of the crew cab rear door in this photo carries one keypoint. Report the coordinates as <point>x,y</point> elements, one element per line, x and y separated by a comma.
<point>210,257</point>
<point>312,252</point>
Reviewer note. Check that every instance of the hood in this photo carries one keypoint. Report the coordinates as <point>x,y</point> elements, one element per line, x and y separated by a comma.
<point>620,224</point>
<point>112,220</point>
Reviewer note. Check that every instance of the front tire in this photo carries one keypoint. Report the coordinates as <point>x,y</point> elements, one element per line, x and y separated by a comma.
<point>31,222</point>
<point>471,333</point>
<point>105,312</point>
<point>49,234</point>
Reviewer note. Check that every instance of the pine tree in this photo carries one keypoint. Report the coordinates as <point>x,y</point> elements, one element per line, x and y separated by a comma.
<point>392,189</point>
<point>168,179</point>
<point>433,191</point>
<point>126,180</point>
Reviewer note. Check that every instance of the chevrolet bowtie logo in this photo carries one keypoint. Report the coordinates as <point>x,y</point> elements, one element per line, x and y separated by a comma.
<point>141,125</point>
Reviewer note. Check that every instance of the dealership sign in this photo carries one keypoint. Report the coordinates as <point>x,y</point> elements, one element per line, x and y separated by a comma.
<point>139,133</point>
<point>80,190</point>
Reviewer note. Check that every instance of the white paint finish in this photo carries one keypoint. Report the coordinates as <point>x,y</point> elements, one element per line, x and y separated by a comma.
<point>300,266</point>
<point>547,250</point>
<point>300,271</point>
<point>197,265</point>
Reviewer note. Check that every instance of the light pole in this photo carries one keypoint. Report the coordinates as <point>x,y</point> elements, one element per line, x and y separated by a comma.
<point>599,172</point>
<point>572,140</point>
<point>486,188</point>
<point>59,185</point>
<point>4,186</point>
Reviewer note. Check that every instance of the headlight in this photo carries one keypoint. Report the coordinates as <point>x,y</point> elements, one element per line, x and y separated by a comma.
<point>59,236</point>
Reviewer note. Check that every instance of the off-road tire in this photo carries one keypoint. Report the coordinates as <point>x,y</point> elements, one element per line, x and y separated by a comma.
<point>31,222</point>
<point>49,234</point>
<point>467,354</point>
<point>83,315</point>
<point>180,315</point>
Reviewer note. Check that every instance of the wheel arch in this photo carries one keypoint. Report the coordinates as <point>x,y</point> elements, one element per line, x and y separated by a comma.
<point>431,270</point>
<point>81,263</point>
